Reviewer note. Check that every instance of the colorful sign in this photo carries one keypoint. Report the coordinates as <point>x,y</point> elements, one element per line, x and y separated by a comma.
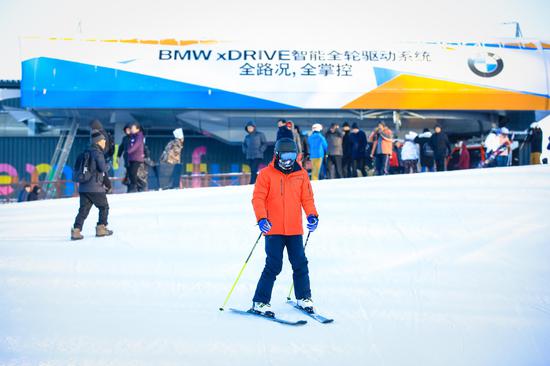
<point>89,73</point>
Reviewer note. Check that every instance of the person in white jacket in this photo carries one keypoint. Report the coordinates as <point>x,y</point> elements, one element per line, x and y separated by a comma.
<point>491,145</point>
<point>409,154</point>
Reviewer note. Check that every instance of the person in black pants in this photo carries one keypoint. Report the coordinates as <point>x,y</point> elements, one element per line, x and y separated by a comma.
<point>441,147</point>
<point>93,191</point>
<point>136,158</point>
<point>254,146</point>
<point>122,152</point>
<point>347,148</point>
<point>358,140</point>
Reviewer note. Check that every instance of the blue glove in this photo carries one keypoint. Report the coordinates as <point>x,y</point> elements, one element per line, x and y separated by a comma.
<point>312,222</point>
<point>264,225</point>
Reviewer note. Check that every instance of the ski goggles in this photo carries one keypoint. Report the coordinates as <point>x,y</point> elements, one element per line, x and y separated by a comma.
<point>286,156</point>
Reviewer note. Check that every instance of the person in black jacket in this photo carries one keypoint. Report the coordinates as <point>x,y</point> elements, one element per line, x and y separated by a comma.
<point>347,147</point>
<point>358,140</point>
<point>426,152</point>
<point>109,151</point>
<point>254,145</point>
<point>93,192</point>
<point>305,144</point>
<point>441,147</point>
<point>123,151</point>
<point>284,130</point>
<point>534,137</point>
<point>34,194</point>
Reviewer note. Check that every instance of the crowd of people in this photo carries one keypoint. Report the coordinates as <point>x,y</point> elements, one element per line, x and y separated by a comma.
<point>349,151</point>
<point>338,152</point>
<point>137,160</point>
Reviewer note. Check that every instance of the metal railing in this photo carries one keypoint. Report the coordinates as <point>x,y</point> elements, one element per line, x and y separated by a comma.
<point>67,188</point>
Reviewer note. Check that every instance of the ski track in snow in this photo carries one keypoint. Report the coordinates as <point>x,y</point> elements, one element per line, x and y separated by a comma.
<point>426,269</point>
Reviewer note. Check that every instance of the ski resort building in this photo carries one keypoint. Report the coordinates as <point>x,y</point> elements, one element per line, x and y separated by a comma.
<point>212,88</point>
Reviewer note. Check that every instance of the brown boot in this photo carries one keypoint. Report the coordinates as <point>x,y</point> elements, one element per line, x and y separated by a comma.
<point>75,234</point>
<point>101,230</point>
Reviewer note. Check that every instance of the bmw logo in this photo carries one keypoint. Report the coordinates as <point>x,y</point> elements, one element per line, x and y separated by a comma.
<point>486,65</point>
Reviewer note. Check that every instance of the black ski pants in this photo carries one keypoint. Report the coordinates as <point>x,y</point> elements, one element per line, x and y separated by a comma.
<point>87,200</point>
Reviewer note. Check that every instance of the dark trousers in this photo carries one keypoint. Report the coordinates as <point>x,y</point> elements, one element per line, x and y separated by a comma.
<point>137,183</point>
<point>410,166</point>
<point>427,164</point>
<point>440,163</point>
<point>334,166</point>
<point>87,200</point>
<point>381,162</point>
<point>502,161</point>
<point>347,164</point>
<point>169,175</point>
<point>254,164</point>
<point>359,163</point>
<point>274,246</point>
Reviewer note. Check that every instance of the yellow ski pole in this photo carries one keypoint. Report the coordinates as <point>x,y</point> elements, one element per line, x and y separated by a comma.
<point>292,287</point>
<point>240,273</point>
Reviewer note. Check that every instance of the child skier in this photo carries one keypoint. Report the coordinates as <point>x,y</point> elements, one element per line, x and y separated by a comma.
<point>281,191</point>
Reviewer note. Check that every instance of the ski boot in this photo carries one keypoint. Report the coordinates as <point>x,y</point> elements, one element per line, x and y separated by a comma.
<point>262,308</point>
<point>75,234</point>
<point>306,304</point>
<point>101,230</point>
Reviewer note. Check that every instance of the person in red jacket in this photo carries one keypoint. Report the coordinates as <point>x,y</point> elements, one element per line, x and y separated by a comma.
<point>464,159</point>
<point>281,191</point>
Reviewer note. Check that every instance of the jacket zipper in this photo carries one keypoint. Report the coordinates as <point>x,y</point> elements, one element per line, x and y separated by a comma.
<point>284,205</point>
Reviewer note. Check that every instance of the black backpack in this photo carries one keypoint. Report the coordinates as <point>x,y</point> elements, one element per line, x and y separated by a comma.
<point>427,150</point>
<point>84,167</point>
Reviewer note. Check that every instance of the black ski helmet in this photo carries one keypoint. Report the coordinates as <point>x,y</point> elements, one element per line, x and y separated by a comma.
<point>285,145</point>
<point>282,146</point>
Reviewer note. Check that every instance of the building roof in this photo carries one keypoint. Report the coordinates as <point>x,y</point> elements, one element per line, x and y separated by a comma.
<point>10,84</point>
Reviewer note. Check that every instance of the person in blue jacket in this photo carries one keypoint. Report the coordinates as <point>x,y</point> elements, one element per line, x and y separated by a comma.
<point>24,194</point>
<point>317,150</point>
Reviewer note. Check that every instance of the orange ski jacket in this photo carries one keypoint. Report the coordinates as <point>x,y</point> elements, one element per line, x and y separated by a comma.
<point>280,198</point>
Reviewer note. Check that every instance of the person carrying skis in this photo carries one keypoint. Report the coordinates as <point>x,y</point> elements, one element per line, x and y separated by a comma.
<point>281,191</point>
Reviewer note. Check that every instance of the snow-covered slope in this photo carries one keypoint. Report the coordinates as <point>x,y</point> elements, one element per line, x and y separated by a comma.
<point>428,269</point>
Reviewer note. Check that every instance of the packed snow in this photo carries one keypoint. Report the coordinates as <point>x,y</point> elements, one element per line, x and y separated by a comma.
<point>427,269</point>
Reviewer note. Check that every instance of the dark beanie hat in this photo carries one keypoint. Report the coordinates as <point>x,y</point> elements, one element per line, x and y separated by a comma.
<point>97,136</point>
<point>354,125</point>
<point>96,125</point>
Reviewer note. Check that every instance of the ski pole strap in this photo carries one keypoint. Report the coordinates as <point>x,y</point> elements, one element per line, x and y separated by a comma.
<point>240,273</point>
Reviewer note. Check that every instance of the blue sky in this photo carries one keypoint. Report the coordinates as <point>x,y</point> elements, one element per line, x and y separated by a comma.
<point>356,20</point>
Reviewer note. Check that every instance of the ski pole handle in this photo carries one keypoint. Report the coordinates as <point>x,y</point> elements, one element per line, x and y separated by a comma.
<point>288,298</point>
<point>240,273</point>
